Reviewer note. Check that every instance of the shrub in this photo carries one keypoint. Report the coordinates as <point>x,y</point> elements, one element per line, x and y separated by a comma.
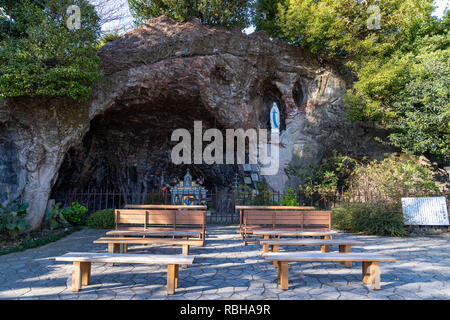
<point>378,218</point>
<point>55,217</point>
<point>391,179</point>
<point>289,198</point>
<point>12,219</point>
<point>75,214</point>
<point>102,219</point>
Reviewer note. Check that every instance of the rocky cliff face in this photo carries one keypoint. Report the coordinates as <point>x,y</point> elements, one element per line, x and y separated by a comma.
<point>166,75</point>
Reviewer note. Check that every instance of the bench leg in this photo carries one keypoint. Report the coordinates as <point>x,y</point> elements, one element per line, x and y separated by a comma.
<point>85,273</point>
<point>325,248</point>
<point>114,247</point>
<point>177,266</point>
<point>371,274</point>
<point>283,275</point>
<point>344,248</point>
<point>374,270</point>
<point>76,276</point>
<point>185,251</point>
<point>365,272</point>
<point>125,248</point>
<point>171,278</point>
<point>265,247</point>
<point>278,266</point>
<point>275,248</point>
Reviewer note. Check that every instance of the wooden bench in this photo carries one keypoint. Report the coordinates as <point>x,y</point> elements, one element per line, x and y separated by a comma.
<point>161,218</point>
<point>279,217</point>
<point>344,245</point>
<point>324,235</point>
<point>81,274</point>
<point>244,209</point>
<point>370,264</point>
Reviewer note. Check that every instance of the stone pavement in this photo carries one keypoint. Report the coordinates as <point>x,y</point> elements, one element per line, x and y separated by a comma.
<point>226,269</point>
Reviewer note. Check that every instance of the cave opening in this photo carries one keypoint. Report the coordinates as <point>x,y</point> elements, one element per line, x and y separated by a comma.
<point>128,150</point>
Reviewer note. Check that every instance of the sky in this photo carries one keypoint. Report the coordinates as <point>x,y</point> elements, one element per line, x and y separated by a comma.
<point>127,21</point>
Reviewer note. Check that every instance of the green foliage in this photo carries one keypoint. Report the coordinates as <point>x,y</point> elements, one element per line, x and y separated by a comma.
<point>108,37</point>
<point>231,13</point>
<point>326,177</point>
<point>75,214</point>
<point>55,218</point>
<point>30,242</point>
<point>391,179</point>
<point>340,26</point>
<point>289,198</point>
<point>407,91</point>
<point>422,109</point>
<point>379,218</point>
<point>102,219</point>
<point>402,68</point>
<point>40,56</point>
<point>265,17</point>
<point>12,219</point>
<point>263,196</point>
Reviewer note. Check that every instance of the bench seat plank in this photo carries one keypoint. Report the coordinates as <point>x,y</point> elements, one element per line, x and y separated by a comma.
<point>280,232</point>
<point>128,258</point>
<point>278,242</point>
<point>275,208</point>
<point>164,206</point>
<point>149,241</point>
<point>320,256</point>
<point>153,233</point>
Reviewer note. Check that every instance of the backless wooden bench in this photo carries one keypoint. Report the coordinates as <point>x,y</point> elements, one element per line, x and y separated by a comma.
<point>81,274</point>
<point>370,264</point>
<point>344,245</point>
<point>115,242</point>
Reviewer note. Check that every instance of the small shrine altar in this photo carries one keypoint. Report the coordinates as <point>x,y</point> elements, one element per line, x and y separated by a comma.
<point>187,192</point>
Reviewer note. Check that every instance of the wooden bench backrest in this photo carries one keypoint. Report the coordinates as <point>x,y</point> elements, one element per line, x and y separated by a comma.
<point>302,219</point>
<point>147,218</point>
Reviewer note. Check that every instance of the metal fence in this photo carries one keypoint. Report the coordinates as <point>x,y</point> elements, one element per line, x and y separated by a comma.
<point>221,203</point>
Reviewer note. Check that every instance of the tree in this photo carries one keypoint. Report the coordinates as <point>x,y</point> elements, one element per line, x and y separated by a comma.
<point>43,54</point>
<point>231,13</point>
<point>407,91</point>
<point>349,29</point>
<point>265,17</point>
<point>398,52</point>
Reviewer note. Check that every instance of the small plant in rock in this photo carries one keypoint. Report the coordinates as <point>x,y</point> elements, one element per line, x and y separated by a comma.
<point>12,219</point>
<point>55,217</point>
